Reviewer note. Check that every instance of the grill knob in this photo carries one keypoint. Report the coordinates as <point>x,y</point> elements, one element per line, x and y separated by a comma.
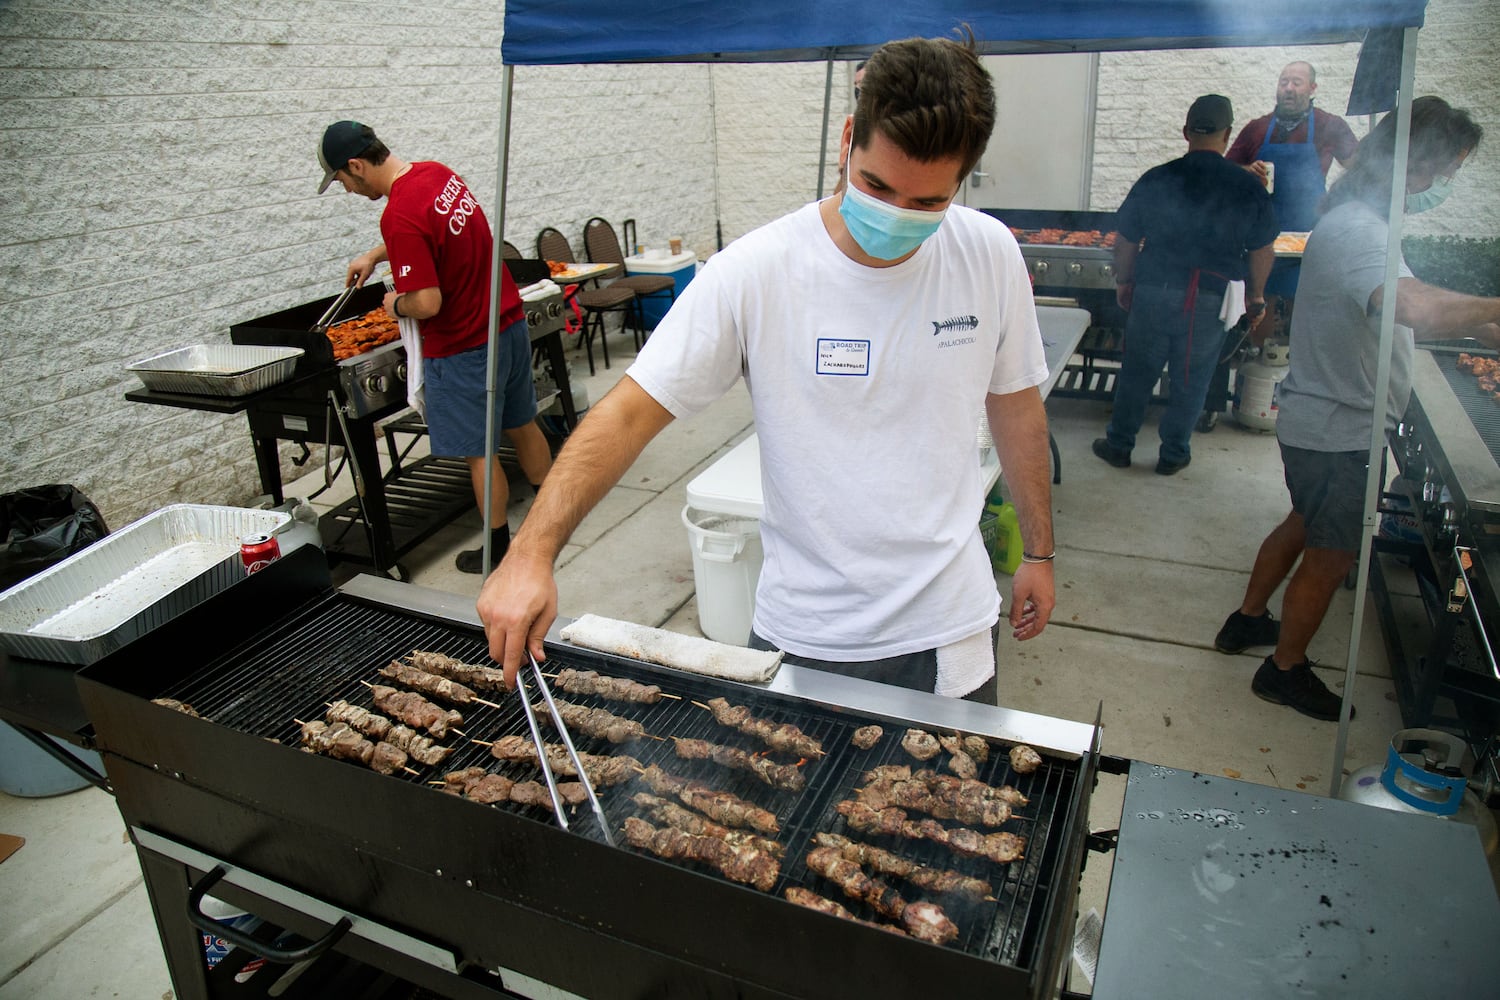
<point>1040,267</point>
<point>1075,268</point>
<point>554,309</point>
<point>1107,270</point>
<point>401,372</point>
<point>375,383</point>
<point>534,318</point>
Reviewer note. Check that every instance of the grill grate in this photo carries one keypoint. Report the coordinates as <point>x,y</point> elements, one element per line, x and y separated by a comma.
<point>1482,409</point>
<point>291,670</point>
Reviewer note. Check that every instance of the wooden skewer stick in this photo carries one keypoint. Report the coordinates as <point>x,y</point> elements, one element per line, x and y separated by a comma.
<point>408,770</point>
<point>659,739</point>
<point>491,704</point>
<point>702,706</point>
<point>299,722</point>
<point>437,784</point>
<point>483,743</point>
<point>458,732</point>
<point>674,697</point>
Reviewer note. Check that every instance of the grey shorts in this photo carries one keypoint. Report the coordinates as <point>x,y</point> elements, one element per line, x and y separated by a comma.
<point>1328,491</point>
<point>917,671</point>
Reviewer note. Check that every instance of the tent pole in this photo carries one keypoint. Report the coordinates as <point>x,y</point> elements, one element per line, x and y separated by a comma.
<point>823,139</point>
<point>1373,479</point>
<point>507,80</point>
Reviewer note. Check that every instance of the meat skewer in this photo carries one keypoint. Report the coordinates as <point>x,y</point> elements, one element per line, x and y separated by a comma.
<point>1023,759</point>
<point>784,737</point>
<point>472,674</point>
<point>596,722</point>
<point>866,737</point>
<point>414,710</point>
<point>612,688</point>
<point>177,706</point>
<point>666,813</point>
<point>787,777</point>
<point>921,744</point>
<point>603,771</point>
<point>339,741</point>
<point>723,807</point>
<point>377,727</point>
<point>918,796</point>
<point>924,921</point>
<point>811,900</point>
<point>883,862</point>
<point>738,863</point>
<point>431,684</point>
<point>948,786</point>
<point>478,785</point>
<point>1001,848</point>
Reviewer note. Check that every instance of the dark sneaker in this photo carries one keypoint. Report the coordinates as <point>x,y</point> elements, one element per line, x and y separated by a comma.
<point>1165,468</point>
<point>1297,688</point>
<point>1240,632</point>
<point>470,561</point>
<point>1114,456</point>
<point>1208,421</point>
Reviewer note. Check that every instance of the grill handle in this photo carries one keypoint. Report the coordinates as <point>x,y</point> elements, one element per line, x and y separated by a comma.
<point>240,939</point>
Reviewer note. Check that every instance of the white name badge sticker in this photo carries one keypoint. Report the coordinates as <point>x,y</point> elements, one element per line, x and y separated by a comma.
<point>843,357</point>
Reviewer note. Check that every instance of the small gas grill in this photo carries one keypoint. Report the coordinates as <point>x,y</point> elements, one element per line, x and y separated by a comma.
<point>455,896</point>
<point>1447,447</point>
<point>330,402</point>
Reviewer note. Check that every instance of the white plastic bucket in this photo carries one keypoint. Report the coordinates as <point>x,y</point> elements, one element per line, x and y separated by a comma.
<point>726,567</point>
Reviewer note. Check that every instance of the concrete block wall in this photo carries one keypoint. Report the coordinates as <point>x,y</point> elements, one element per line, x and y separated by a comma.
<point>160,187</point>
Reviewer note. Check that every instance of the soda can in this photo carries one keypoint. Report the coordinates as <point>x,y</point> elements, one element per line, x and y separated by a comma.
<point>259,550</point>
<point>1270,178</point>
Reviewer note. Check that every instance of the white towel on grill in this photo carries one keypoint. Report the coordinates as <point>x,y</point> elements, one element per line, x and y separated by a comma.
<point>671,649</point>
<point>1234,304</point>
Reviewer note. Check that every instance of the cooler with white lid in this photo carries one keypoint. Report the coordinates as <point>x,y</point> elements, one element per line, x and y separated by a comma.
<point>722,518</point>
<point>680,267</point>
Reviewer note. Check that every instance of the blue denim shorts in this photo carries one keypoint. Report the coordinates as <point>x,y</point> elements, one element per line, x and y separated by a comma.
<point>455,388</point>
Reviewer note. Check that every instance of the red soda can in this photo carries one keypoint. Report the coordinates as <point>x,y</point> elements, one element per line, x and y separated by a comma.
<point>258,551</point>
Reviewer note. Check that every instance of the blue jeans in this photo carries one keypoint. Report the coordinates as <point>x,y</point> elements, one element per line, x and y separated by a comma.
<point>1158,332</point>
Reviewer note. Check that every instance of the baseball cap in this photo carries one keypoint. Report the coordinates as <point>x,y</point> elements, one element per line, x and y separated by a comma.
<point>1210,113</point>
<point>342,142</point>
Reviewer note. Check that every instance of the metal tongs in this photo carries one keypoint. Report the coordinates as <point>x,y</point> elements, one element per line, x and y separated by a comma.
<point>567,739</point>
<point>321,326</point>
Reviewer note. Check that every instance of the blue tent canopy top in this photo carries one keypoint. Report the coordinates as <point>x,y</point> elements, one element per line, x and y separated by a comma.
<point>545,32</point>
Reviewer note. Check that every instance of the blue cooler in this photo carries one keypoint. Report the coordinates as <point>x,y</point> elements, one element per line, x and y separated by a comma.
<point>680,267</point>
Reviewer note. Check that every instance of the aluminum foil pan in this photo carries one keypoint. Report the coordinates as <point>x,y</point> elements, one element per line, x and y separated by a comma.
<point>217,369</point>
<point>129,582</point>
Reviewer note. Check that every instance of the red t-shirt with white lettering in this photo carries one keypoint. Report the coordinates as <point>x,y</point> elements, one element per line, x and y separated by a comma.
<point>437,235</point>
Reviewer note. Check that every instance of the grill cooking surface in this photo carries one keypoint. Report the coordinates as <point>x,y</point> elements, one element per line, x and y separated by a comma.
<point>322,654</point>
<point>1483,410</point>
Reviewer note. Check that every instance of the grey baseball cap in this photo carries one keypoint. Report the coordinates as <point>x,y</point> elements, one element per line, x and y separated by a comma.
<point>1210,113</point>
<point>342,142</point>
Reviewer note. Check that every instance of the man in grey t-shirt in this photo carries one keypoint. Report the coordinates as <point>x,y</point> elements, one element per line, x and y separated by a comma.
<point>1327,402</point>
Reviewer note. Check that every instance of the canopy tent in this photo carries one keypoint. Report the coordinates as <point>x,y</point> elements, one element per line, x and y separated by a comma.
<point>543,33</point>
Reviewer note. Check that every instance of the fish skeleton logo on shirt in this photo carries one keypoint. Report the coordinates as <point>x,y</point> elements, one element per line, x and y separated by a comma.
<point>956,324</point>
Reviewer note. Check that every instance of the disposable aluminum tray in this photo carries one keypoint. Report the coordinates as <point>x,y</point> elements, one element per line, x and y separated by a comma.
<point>217,369</point>
<point>130,582</point>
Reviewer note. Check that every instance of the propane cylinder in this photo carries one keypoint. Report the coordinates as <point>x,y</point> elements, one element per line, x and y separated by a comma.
<point>1256,386</point>
<point>1422,774</point>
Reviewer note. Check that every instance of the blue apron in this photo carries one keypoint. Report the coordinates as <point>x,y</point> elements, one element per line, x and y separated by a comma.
<point>1298,189</point>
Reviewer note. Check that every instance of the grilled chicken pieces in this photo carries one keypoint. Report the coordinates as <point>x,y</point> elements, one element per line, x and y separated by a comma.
<point>921,744</point>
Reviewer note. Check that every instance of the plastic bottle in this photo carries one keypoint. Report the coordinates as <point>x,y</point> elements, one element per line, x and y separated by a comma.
<point>1008,545</point>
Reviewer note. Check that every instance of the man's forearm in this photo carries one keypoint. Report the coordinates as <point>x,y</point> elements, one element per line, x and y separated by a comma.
<point>1261,261</point>
<point>596,455</point>
<point>1018,423</point>
<point>1434,312</point>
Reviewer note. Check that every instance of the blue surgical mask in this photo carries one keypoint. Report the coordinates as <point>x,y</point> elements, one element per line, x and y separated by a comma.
<point>1423,201</point>
<point>883,231</point>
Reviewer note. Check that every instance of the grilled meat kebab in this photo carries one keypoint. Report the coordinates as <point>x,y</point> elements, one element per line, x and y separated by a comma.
<point>921,744</point>
<point>338,740</point>
<point>666,813</point>
<point>784,737</point>
<point>918,796</point>
<point>787,777</point>
<point>177,706</point>
<point>811,900</point>
<point>477,784</point>
<point>1023,759</point>
<point>429,684</point>
<point>946,785</point>
<point>738,863</point>
<point>612,688</point>
<point>723,807</point>
<point>603,771</point>
<point>925,921</point>
<point>595,722</point>
<point>472,674</point>
<point>864,738</point>
<point>414,710</point>
<point>1001,848</point>
<point>377,727</point>
<point>883,862</point>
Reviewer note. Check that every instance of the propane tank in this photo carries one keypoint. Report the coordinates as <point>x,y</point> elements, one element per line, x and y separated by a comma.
<point>1256,386</point>
<point>1422,774</point>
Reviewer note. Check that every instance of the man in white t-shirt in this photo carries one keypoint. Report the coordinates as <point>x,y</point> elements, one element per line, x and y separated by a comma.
<point>912,316</point>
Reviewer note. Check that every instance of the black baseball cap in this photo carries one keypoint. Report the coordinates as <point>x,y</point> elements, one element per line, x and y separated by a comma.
<point>1210,113</point>
<point>342,142</point>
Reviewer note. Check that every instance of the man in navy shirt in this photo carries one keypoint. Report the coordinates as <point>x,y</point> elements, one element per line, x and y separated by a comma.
<point>1187,228</point>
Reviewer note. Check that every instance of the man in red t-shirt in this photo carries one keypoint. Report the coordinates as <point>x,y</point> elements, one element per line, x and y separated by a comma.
<point>439,245</point>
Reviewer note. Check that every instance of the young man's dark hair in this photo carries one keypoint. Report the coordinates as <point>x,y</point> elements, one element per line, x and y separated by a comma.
<point>374,154</point>
<point>1440,134</point>
<point>931,97</point>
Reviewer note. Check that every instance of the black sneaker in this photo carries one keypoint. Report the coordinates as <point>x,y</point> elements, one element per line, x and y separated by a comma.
<point>1240,632</point>
<point>470,561</point>
<point>1114,456</point>
<point>1297,688</point>
<point>1165,468</point>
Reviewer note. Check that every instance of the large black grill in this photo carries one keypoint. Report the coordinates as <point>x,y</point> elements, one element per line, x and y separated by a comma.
<point>258,678</point>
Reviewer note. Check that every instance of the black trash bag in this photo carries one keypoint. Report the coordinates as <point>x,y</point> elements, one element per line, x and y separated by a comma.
<point>42,526</point>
